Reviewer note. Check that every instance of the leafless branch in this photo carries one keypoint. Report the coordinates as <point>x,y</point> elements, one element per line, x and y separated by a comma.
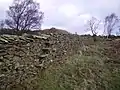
<point>24,14</point>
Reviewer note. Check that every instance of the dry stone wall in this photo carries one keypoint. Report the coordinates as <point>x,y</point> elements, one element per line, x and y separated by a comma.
<point>23,57</point>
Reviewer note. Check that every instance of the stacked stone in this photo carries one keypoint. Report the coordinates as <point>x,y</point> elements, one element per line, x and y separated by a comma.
<point>22,58</point>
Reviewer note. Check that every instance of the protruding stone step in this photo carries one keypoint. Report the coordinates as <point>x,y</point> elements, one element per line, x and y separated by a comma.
<point>43,56</point>
<point>42,36</point>
<point>39,66</point>
<point>46,49</point>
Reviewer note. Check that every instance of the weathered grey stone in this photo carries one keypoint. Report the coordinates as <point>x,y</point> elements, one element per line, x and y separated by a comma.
<point>40,37</point>
<point>17,65</point>
<point>1,63</point>
<point>2,75</point>
<point>3,40</point>
<point>43,56</point>
<point>46,49</point>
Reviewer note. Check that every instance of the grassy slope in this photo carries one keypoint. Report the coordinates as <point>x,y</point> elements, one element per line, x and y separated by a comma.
<point>88,70</point>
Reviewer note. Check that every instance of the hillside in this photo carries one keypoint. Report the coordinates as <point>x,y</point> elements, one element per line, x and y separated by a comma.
<point>54,31</point>
<point>58,60</point>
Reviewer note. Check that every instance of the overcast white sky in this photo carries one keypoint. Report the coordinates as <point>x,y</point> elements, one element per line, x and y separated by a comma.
<point>70,15</point>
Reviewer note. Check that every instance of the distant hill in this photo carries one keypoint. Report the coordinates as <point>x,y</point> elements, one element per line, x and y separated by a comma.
<point>55,31</point>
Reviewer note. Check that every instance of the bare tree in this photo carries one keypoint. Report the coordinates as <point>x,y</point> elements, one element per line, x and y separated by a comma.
<point>2,23</point>
<point>24,15</point>
<point>111,23</point>
<point>93,25</point>
<point>118,33</point>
